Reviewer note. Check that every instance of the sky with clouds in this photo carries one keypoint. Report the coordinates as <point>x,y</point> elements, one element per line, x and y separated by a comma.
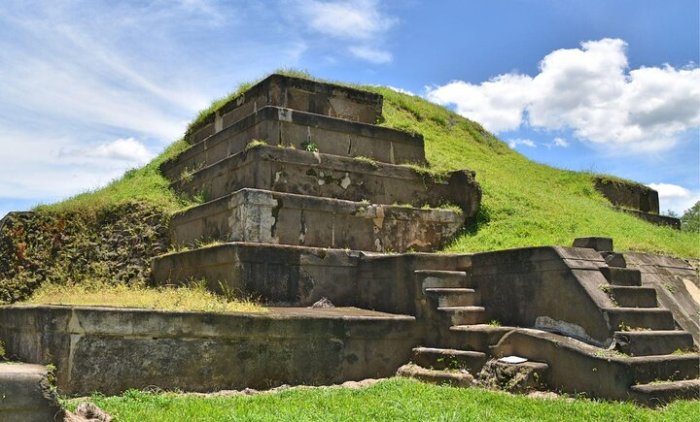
<point>90,89</point>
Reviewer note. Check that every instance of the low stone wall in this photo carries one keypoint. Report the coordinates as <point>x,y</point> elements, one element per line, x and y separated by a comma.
<point>628,194</point>
<point>110,350</point>
<point>26,394</point>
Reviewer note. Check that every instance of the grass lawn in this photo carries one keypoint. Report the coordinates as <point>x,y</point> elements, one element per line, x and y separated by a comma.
<point>390,400</point>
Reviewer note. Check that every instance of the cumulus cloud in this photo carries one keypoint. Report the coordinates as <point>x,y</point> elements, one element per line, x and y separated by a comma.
<point>590,91</point>
<point>675,197</point>
<point>359,22</point>
<point>513,143</point>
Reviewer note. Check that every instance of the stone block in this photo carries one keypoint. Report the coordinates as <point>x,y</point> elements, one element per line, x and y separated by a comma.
<point>330,176</point>
<point>259,216</point>
<point>597,243</point>
<point>299,94</point>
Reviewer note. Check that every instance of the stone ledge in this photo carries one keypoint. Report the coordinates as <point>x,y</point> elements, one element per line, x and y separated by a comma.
<point>26,395</point>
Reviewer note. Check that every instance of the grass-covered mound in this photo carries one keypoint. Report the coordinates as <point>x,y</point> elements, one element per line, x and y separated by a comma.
<point>524,204</point>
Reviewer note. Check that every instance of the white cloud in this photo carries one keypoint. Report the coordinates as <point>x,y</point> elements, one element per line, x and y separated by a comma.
<point>129,150</point>
<point>590,91</point>
<point>513,143</point>
<point>371,54</point>
<point>352,20</point>
<point>359,22</point>
<point>560,142</point>
<point>674,197</point>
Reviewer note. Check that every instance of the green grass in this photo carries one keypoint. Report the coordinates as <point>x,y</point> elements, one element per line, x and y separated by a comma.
<point>145,184</point>
<point>524,203</point>
<point>390,400</point>
<point>99,293</point>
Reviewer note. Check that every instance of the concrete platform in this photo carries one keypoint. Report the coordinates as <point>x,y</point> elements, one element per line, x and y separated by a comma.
<point>330,176</point>
<point>259,216</point>
<point>300,94</point>
<point>110,350</point>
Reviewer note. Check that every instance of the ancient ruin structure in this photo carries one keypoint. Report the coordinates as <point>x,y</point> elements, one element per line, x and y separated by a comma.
<point>308,198</point>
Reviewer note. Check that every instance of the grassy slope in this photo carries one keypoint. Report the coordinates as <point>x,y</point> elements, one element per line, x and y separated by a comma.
<point>391,400</point>
<point>524,203</point>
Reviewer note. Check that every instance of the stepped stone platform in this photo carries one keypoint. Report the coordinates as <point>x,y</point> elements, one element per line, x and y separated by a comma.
<point>294,93</point>
<point>329,176</point>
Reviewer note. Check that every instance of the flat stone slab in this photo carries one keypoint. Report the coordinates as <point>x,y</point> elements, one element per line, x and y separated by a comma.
<point>296,93</point>
<point>259,216</point>
<point>26,395</point>
<point>110,350</point>
<point>330,176</point>
<point>304,131</point>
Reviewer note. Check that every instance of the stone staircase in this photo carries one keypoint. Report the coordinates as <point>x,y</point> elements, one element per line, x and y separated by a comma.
<point>650,360</point>
<point>292,162</point>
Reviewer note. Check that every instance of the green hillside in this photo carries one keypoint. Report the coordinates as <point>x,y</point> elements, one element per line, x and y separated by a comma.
<point>524,203</point>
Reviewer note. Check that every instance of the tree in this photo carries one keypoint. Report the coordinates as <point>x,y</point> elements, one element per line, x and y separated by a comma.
<point>690,220</point>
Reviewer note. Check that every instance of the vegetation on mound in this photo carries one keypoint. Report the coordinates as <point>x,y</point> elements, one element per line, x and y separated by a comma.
<point>195,297</point>
<point>113,242</point>
<point>390,400</point>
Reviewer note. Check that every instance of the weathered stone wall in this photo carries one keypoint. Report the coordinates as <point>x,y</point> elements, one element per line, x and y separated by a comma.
<point>114,244</point>
<point>552,288</point>
<point>26,394</point>
<point>628,195</point>
<point>111,350</point>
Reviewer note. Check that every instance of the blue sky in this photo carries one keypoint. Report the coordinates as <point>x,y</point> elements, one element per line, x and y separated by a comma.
<point>89,89</point>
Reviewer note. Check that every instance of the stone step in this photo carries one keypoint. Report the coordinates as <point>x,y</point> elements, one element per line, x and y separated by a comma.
<point>454,296</point>
<point>634,296</point>
<point>635,319</point>
<point>440,358</point>
<point>295,93</point>
<point>464,315</point>
<point>304,131</point>
<point>260,216</point>
<point>658,393</point>
<point>622,276</point>
<point>647,369</point>
<point>644,343</point>
<point>301,172</point>
<point>443,279</point>
<point>478,337</point>
<point>455,378</point>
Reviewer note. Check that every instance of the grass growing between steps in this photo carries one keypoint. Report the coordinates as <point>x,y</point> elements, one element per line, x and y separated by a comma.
<point>97,293</point>
<point>390,400</point>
